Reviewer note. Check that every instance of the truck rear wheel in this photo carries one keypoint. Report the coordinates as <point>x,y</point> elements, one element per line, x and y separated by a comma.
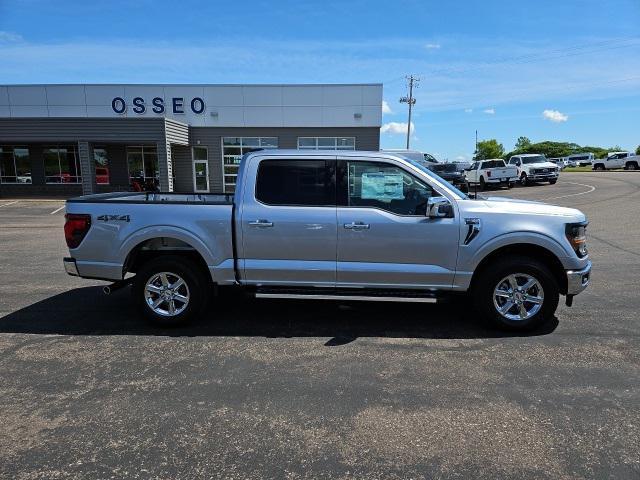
<point>631,166</point>
<point>517,293</point>
<point>169,290</point>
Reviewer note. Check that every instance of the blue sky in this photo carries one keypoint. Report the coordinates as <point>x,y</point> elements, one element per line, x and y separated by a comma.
<point>494,66</point>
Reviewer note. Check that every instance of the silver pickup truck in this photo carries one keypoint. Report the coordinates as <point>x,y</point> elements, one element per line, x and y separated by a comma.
<point>331,225</point>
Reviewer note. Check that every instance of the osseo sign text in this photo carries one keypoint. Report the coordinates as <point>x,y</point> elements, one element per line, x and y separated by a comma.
<point>177,105</point>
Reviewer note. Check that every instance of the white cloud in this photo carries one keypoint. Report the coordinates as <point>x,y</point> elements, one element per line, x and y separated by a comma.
<point>9,37</point>
<point>468,110</point>
<point>396,128</point>
<point>386,109</point>
<point>555,116</point>
<point>432,46</point>
<point>489,111</point>
<point>461,158</point>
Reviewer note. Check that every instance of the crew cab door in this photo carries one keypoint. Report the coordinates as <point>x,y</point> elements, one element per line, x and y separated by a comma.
<point>385,238</point>
<point>288,222</point>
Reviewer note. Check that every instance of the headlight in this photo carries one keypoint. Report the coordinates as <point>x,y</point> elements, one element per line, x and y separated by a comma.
<point>576,234</point>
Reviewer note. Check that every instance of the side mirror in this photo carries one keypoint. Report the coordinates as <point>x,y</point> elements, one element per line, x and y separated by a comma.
<point>439,207</point>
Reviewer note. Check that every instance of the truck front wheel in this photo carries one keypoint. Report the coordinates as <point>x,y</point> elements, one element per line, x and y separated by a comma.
<point>517,293</point>
<point>523,179</point>
<point>169,290</point>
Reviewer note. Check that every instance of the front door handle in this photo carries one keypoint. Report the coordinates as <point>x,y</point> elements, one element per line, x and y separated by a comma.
<point>261,223</point>
<point>357,226</point>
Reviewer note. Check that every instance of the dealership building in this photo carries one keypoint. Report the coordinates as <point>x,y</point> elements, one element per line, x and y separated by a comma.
<point>80,139</point>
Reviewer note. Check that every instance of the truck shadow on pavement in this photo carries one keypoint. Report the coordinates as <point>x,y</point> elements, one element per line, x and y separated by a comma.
<point>87,311</point>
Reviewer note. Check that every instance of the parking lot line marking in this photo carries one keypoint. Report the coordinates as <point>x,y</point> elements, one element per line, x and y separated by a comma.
<point>57,210</point>
<point>572,194</point>
<point>7,204</point>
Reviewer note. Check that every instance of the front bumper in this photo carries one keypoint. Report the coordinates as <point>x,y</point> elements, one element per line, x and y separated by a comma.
<point>70,266</point>
<point>543,176</point>
<point>578,280</point>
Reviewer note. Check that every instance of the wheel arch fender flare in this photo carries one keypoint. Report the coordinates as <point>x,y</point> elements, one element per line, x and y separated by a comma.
<point>519,241</point>
<point>164,231</point>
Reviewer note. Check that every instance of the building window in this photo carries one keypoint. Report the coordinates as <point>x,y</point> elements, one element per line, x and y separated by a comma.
<point>232,150</point>
<point>143,168</point>
<point>15,166</point>
<point>326,143</point>
<point>101,162</point>
<point>61,164</point>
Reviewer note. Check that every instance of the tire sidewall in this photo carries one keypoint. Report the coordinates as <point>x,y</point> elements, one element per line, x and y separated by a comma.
<point>489,278</point>
<point>182,267</point>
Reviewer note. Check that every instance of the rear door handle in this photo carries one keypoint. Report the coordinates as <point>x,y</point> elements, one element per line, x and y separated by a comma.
<point>357,226</point>
<point>261,223</point>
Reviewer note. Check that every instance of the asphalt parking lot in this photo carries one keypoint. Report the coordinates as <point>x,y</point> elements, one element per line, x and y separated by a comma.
<point>271,389</point>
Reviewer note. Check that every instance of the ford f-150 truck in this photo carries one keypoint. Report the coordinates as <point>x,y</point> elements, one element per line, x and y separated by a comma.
<point>331,225</point>
<point>626,160</point>
<point>491,172</point>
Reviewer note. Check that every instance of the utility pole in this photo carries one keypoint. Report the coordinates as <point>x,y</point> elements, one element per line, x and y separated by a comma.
<point>411,101</point>
<point>476,152</point>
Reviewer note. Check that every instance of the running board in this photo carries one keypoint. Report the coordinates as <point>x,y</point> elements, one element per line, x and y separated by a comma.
<point>356,298</point>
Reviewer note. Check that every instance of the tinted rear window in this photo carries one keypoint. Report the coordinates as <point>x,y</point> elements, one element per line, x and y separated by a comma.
<point>296,182</point>
<point>493,164</point>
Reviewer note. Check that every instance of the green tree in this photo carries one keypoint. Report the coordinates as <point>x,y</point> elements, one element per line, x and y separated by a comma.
<point>522,143</point>
<point>638,150</point>
<point>489,149</point>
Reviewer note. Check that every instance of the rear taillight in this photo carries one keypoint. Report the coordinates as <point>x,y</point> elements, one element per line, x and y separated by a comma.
<point>488,174</point>
<point>76,226</point>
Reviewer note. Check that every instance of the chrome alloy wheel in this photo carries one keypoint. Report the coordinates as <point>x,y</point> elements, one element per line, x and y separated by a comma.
<point>518,297</point>
<point>167,294</point>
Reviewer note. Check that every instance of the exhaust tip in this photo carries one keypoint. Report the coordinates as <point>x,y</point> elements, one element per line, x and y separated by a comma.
<point>106,290</point>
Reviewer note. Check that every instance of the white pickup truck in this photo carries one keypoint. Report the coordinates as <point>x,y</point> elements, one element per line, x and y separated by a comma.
<point>626,160</point>
<point>533,167</point>
<point>491,172</point>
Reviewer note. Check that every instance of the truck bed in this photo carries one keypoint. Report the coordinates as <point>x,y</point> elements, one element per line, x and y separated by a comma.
<point>157,198</point>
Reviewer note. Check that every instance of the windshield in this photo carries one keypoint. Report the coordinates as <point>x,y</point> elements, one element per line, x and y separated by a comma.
<point>536,159</point>
<point>424,169</point>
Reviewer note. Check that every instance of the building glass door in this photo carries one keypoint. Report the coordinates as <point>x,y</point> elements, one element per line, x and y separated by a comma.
<point>201,176</point>
<point>200,169</point>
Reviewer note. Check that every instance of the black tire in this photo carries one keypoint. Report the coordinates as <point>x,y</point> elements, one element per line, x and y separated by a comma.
<point>490,278</point>
<point>510,185</point>
<point>523,179</point>
<point>598,166</point>
<point>483,185</point>
<point>552,182</point>
<point>175,266</point>
<point>631,166</point>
